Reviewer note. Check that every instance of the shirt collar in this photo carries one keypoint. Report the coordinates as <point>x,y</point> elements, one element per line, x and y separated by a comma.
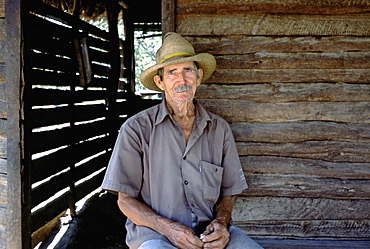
<point>201,115</point>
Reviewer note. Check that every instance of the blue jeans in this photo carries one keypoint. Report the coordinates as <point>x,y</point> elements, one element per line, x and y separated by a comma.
<point>238,240</point>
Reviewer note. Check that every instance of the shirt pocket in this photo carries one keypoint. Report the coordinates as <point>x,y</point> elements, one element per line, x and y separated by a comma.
<point>211,181</point>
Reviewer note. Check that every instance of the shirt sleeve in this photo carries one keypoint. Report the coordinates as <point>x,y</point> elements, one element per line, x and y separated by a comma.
<point>233,181</point>
<point>124,172</point>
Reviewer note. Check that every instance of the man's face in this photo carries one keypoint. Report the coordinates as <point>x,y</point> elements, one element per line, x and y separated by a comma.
<point>180,81</point>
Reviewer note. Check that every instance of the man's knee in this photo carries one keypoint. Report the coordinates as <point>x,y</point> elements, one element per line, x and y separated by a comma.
<point>156,243</point>
<point>239,240</point>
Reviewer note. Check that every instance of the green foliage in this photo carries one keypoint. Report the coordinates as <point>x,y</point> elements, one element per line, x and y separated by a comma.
<point>146,46</point>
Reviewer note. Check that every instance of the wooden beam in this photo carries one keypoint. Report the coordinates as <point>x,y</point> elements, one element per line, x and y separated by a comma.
<point>17,236</point>
<point>168,16</point>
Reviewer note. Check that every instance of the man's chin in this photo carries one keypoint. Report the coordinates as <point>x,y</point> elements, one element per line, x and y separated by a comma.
<point>183,100</point>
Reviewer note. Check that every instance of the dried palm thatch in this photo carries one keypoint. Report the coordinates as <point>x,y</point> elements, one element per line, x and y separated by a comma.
<point>86,9</point>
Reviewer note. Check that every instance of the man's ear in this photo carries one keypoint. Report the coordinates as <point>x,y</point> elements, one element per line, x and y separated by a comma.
<point>200,76</point>
<point>158,82</point>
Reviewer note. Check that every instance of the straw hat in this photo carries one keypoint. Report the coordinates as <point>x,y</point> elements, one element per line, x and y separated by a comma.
<point>175,49</point>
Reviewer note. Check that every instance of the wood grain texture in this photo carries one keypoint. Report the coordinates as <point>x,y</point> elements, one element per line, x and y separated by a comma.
<point>313,243</point>
<point>264,165</point>
<point>293,132</point>
<point>350,229</point>
<point>272,6</point>
<point>306,186</point>
<point>274,24</point>
<point>331,151</point>
<point>260,208</point>
<point>262,60</point>
<point>246,76</point>
<point>244,111</point>
<point>287,92</point>
<point>239,44</point>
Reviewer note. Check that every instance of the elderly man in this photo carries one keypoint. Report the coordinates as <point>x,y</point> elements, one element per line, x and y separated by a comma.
<point>175,165</point>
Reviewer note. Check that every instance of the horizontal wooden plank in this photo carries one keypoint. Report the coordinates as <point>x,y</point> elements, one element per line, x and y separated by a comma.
<point>350,229</point>
<point>273,6</point>
<point>61,181</point>
<point>279,208</point>
<point>60,115</point>
<point>59,15</point>
<point>99,56</point>
<point>274,24</point>
<point>98,43</point>
<point>47,140</point>
<point>89,185</point>
<point>42,26</point>
<point>45,214</point>
<point>294,132</point>
<point>236,44</point>
<point>238,76</point>
<point>307,167</point>
<point>287,92</point>
<point>53,63</point>
<point>331,151</point>
<point>306,187</point>
<point>47,43</point>
<point>312,243</point>
<point>40,77</point>
<point>263,60</point>
<point>64,158</point>
<point>42,96</point>
<point>245,111</point>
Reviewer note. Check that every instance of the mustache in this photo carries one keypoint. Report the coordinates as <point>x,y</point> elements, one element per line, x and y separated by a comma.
<point>183,88</point>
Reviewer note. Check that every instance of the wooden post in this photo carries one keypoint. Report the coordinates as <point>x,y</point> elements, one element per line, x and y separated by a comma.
<point>18,225</point>
<point>168,16</point>
<point>113,10</point>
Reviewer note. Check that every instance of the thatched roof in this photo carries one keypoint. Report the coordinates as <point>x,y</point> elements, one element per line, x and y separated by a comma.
<point>87,9</point>
<point>143,11</point>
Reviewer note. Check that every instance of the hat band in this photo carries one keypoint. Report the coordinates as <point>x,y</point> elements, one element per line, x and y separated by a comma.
<point>173,55</point>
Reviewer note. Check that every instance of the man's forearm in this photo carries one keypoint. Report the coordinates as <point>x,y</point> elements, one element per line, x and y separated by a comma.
<point>142,215</point>
<point>223,210</point>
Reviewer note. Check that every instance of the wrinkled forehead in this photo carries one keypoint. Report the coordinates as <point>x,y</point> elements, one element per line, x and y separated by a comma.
<point>188,64</point>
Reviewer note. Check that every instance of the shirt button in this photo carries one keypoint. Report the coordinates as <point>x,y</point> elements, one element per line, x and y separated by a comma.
<point>186,182</point>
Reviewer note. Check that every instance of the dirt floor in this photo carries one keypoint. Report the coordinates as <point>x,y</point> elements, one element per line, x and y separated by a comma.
<point>99,225</point>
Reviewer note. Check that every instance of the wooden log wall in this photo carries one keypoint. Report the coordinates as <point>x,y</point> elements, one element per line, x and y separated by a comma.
<point>69,126</point>
<point>293,82</point>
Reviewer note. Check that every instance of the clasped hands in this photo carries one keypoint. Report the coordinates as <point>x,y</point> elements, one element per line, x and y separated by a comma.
<point>216,235</point>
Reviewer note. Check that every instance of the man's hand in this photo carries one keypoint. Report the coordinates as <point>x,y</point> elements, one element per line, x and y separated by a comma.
<point>216,235</point>
<point>141,214</point>
<point>183,237</point>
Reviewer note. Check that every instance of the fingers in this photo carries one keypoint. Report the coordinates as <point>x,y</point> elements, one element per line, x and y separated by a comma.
<point>183,237</point>
<point>216,235</point>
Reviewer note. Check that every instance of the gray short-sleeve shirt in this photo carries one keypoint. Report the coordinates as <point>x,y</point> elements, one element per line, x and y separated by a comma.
<point>152,162</point>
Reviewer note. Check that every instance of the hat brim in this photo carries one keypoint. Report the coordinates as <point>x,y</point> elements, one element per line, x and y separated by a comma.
<point>205,61</point>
